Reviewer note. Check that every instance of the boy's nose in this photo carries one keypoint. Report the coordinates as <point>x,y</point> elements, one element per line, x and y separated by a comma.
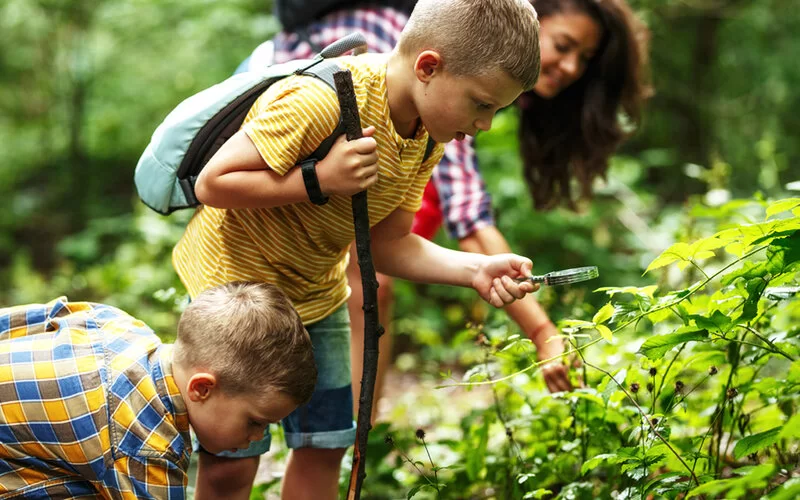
<point>484,123</point>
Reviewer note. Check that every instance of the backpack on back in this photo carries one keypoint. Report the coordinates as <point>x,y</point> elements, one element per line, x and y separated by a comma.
<point>191,134</point>
<point>195,130</point>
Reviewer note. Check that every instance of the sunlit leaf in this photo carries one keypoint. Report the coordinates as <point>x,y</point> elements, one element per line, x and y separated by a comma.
<point>659,315</point>
<point>539,493</point>
<point>604,314</point>
<point>704,254</point>
<point>605,332</point>
<point>645,291</point>
<point>678,252</point>
<point>736,249</point>
<point>782,206</point>
<point>791,430</point>
<point>706,245</point>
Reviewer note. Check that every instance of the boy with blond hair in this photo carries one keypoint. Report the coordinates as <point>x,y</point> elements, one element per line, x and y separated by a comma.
<point>93,405</point>
<point>457,63</point>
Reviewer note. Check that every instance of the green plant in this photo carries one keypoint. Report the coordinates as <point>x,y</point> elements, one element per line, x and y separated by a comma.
<point>692,385</point>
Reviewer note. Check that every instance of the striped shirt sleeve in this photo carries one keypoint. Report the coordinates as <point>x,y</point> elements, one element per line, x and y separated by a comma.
<point>291,119</point>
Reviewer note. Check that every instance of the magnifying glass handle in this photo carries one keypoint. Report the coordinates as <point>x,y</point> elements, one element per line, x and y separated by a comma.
<point>532,279</point>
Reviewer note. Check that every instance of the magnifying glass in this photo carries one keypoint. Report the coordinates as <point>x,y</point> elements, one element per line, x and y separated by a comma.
<point>564,277</point>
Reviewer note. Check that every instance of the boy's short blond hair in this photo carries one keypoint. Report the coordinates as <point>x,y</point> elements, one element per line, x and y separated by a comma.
<point>251,338</point>
<point>475,37</point>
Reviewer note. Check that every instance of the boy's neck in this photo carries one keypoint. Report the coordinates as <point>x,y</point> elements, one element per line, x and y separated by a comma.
<point>399,82</point>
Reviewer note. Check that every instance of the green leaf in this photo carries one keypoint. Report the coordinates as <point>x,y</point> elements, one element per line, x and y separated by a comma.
<point>668,477</point>
<point>611,458</point>
<point>782,206</point>
<point>756,442</point>
<point>789,250</point>
<point>702,249</point>
<point>705,254</point>
<point>791,430</point>
<point>794,373</point>
<point>678,252</point>
<point>416,489</point>
<point>604,332</point>
<point>790,490</point>
<point>718,322</point>
<point>645,291</point>
<point>655,347</point>
<point>604,314</point>
<point>659,315</point>
<point>755,477</point>
<point>540,493</point>
<point>611,387</point>
<point>755,288</point>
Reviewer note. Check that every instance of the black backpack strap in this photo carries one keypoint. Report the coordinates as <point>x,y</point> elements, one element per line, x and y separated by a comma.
<point>324,70</point>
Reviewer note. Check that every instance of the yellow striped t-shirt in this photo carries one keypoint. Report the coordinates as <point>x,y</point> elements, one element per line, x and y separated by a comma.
<point>303,248</point>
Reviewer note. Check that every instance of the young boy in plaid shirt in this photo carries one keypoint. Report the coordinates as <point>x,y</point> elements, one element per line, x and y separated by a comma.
<point>93,405</point>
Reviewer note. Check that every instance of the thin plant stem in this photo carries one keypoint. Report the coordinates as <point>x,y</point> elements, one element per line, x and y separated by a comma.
<point>775,348</point>
<point>644,415</point>
<point>664,377</point>
<point>721,425</point>
<point>703,440</point>
<point>433,466</point>
<point>421,473</point>
<point>693,263</point>
<point>670,408</point>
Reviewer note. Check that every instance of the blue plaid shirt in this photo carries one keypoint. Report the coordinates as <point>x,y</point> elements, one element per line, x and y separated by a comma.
<point>88,406</point>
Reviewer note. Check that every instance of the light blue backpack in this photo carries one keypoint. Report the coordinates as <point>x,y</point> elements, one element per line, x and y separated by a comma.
<point>191,134</point>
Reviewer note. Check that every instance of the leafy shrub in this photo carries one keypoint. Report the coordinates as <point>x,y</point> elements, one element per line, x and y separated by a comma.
<point>690,387</point>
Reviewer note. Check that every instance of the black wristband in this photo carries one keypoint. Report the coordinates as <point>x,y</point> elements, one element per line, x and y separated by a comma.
<point>309,169</point>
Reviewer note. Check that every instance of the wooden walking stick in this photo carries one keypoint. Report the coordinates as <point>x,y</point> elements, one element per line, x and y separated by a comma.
<point>372,329</point>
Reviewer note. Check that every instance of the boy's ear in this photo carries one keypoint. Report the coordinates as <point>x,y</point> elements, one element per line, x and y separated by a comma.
<point>428,63</point>
<point>200,386</point>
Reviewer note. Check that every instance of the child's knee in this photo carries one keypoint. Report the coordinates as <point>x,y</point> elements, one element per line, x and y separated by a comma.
<point>319,457</point>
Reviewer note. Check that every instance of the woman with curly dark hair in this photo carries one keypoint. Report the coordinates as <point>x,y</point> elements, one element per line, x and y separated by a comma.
<point>570,123</point>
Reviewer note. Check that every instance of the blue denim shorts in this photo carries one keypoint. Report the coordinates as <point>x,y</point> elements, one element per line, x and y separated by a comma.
<point>327,420</point>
